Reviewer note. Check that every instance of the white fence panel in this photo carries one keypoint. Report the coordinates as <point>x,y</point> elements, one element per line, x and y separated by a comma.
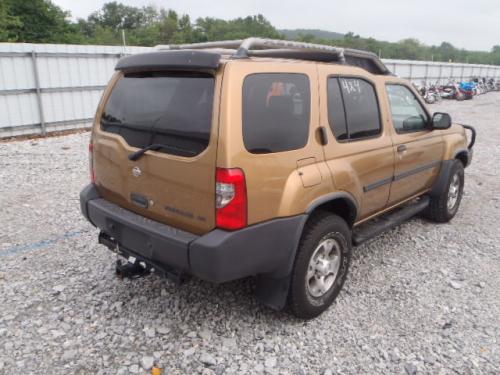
<point>439,72</point>
<point>48,87</point>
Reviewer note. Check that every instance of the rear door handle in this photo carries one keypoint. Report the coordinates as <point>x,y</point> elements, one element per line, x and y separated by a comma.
<point>323,135</point>
<point>401,148</point>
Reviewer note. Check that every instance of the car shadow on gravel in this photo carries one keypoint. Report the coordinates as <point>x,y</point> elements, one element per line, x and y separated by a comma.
<point>198,297</point>
<point>159,297</point>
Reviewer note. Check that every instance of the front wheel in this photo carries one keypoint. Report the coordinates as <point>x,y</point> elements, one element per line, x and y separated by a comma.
<point>444,207</point>
<point>321,265</point>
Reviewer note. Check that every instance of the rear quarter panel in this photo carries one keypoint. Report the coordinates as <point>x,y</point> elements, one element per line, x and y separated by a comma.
<point>278,184</point>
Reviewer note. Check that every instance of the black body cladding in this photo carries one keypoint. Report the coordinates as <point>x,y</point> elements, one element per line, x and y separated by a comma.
<point>170,60</point>
<point>218,256</point>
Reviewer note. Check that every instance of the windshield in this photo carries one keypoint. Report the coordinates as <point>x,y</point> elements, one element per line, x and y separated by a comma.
<point>169,108</point>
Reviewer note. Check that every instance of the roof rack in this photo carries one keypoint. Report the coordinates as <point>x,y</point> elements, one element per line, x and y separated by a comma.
<point>263,47</point>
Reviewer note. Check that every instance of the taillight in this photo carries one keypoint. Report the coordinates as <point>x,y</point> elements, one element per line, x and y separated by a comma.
<point>231,198</point>
<point>91,162</point>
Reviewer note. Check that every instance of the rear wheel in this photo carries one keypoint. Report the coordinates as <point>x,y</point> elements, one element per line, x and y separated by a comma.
<point>321,265</point>
<point>444,207</point>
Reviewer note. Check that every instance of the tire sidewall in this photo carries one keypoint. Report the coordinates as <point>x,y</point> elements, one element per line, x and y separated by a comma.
<point>313,306</point>
<point>334,290</point>
<point>457,169</point>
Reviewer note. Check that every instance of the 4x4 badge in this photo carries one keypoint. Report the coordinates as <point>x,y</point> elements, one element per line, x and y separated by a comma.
<point>136,171</point>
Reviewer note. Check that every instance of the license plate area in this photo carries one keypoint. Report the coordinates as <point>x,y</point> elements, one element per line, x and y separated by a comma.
<point>134,239</point>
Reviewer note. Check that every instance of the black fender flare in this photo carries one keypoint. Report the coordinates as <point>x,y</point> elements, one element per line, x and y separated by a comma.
<point>467,152</point>
<point>334,196</point>
<point>444,176</point>
<point>272,289</point>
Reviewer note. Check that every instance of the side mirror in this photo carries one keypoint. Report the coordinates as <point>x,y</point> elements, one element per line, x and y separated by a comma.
<point>441,121</point>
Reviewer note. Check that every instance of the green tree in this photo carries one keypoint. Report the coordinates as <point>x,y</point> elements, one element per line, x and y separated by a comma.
<point>239,28</point>
<point>141,25</point>
<point>410,49</point>
<point>168,27</point>
<point>117,16</point>
<point>447,52</point>
<point>9,24</point>
<point>40,21</point>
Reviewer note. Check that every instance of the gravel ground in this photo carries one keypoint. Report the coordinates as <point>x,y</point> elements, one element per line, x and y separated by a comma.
<point>423,298</point>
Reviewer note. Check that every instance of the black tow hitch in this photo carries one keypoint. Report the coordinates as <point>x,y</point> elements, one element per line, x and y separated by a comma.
<point>134,266</point>
<point>125,269</point>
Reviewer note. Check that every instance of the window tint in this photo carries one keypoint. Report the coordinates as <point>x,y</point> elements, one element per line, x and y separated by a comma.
<point>336,113</point>
<point>407,113</point>
<point>276,108</point>
<point>361,106</point>
<point>174,109</point>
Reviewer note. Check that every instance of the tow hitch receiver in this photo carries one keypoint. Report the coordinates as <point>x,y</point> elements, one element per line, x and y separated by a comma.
<point>131,265</point>
<point>125,269</point>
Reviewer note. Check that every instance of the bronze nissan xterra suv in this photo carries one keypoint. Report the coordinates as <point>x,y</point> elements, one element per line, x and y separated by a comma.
<point>265,158</point>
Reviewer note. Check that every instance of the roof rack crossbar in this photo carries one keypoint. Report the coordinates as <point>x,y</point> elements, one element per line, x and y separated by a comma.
<point>243,47</point>
<point>225,44</point>
<point>262,46</point>
<point>262,43</point>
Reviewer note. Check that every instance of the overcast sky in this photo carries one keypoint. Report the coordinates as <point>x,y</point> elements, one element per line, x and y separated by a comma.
<point>470,24</point>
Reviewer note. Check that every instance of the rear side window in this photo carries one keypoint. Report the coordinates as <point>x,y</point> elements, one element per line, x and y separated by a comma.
<point>336,112</point>
<point>276,112</point>
<point>172,109</point>
<point>353,109</point>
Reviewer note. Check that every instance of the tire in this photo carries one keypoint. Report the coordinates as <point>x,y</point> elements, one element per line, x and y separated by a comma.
<point>310,296</point>
<point>430,99</point>
<point>439,210</point>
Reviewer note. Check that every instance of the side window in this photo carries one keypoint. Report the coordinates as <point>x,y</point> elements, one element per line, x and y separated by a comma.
<point>407,112</point>
<point>353,109</point>
<point>276,112</point>
<point>336,113</point>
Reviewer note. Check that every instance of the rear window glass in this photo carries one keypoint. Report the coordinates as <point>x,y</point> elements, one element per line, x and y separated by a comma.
<point>172,109</point>
<point>276,110</point>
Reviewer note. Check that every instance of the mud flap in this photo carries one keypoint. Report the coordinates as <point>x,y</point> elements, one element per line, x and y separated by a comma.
<point>273,292</point>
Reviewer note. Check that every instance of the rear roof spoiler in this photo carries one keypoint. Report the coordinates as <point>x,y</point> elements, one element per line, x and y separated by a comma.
<point>207,55</point>
<point>171,60</point>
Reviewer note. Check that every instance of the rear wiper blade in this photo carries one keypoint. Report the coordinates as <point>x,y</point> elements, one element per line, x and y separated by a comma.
<point>156,146</point>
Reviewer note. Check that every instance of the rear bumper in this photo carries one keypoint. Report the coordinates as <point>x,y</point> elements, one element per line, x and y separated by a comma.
<point>218,256</point>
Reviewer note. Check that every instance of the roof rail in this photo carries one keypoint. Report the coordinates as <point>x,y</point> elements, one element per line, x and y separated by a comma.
<point>263,47</point>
